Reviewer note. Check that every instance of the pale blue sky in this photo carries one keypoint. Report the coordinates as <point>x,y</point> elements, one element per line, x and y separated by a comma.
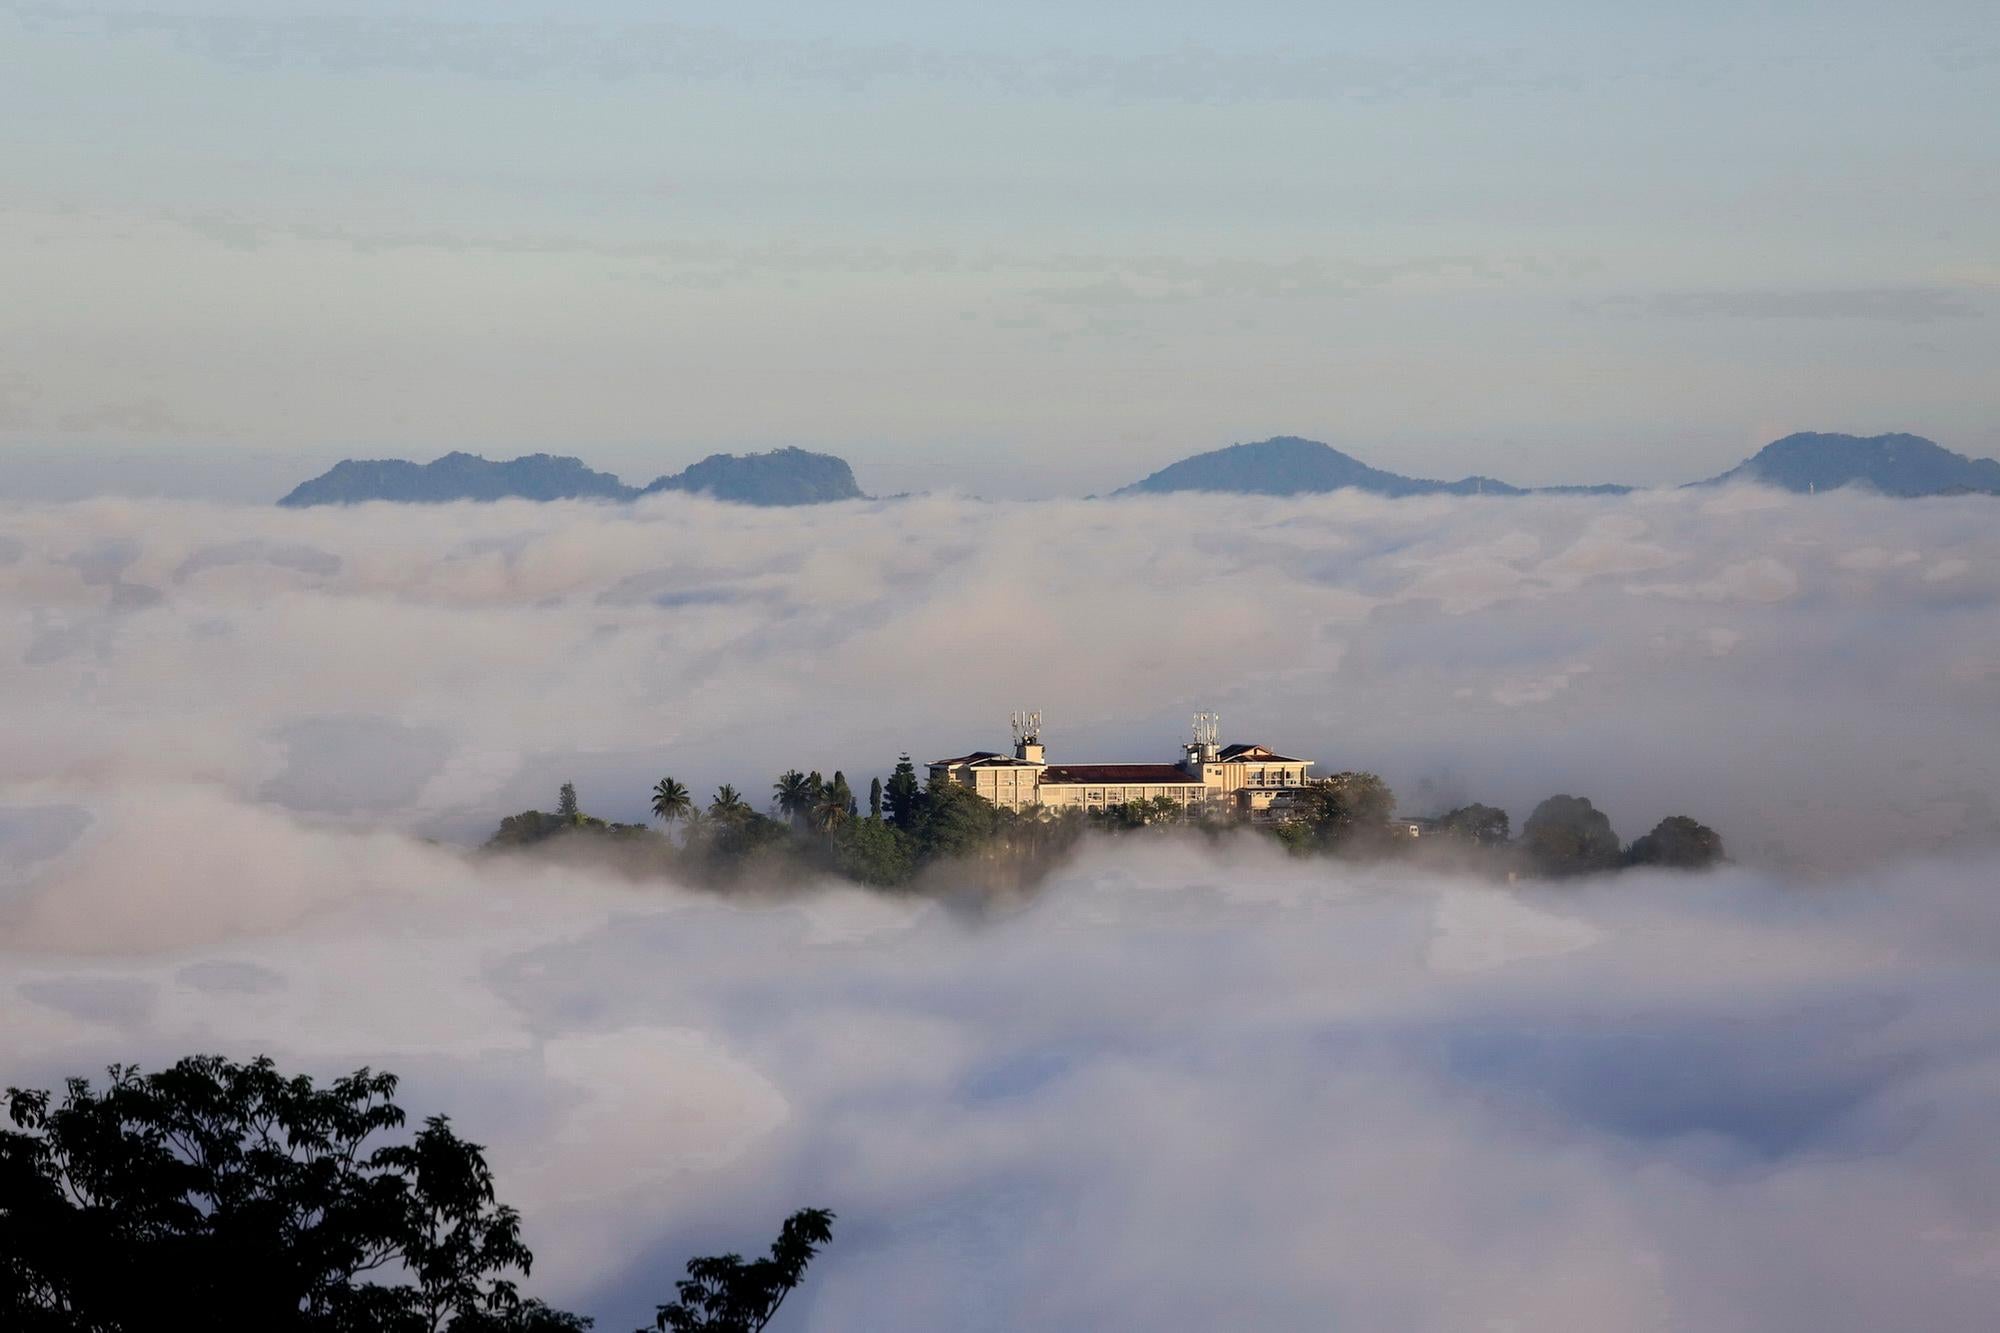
<point>1021,249</point>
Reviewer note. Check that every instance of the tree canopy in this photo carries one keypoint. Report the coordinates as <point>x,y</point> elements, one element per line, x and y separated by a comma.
<point>1567,835</point>
<point>724,1294</point>
<point>1679,843</point>
<point>239,1197</point>
<point>228,1197</point>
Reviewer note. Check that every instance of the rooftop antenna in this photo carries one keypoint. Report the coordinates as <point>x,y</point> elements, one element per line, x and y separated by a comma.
<point>1027,726</point>
<point>1207,728</point>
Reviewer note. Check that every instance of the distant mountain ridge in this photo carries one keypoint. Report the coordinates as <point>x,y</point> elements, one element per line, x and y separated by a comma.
<point>1905,466</point>
<point>780,477</point>
<point>1900,465</point>
<point>1289,465</point>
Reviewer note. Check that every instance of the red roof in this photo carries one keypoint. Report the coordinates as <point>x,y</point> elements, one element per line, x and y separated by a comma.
<point>1151,775</point>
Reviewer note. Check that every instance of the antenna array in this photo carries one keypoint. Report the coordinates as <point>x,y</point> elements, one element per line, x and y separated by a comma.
<point>1207,728</point>
<point>1027,726</point>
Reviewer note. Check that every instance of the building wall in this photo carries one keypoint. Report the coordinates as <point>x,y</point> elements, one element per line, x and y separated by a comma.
<point>1095,796</point>
<point>1254,787</point>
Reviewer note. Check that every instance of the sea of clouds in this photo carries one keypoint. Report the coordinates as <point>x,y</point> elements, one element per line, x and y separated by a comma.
<point>1182,1086</point>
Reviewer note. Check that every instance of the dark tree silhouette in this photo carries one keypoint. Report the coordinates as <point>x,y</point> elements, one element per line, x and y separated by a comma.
<point>729,805</point>
<point>238,1198</point>
<point>1346,810</point>
<point>566,805</point>
<point>953,820</point>
<point>1485,825</point>
<point>670,801</point>
<point>232,1197</point>
<point>903,795</point>
<point>875,799</point>
<point>793,794</point>
<point>724,1294</point>
<point>1567,835</point>
<point>1677,842</point>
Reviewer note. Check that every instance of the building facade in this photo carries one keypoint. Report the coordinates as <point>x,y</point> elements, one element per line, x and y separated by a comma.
<point>1248,781</point>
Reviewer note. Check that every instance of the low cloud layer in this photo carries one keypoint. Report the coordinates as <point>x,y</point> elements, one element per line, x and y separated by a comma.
<point>1814,676</point>
<point>1182,1087</point>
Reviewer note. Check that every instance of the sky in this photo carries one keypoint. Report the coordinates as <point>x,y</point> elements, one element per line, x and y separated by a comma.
<point>1183,1085</point>
<point>1025,251</point>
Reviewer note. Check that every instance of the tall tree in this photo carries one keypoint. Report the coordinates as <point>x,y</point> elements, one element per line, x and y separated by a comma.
<point>1485,825</point>
<point>238,1198</point>
<point>728,804</point>
<point>1567,835</point>
<point>1348,811</point>
<point>953,820</point>
<point>1679,843</point>
<point>875,799</point>
<point>724,1294</point>
<point>566,805</point>
<point>834,805</point>
<point>793,794</point>
<point>903,795</point>
<point>670,801</point>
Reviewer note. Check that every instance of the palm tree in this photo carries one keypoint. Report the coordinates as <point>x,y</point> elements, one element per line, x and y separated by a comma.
<point>670,801</point>
<point>694,826</point>
<point>728,803</point>
<point>831,809</point>
<point>794,794</point>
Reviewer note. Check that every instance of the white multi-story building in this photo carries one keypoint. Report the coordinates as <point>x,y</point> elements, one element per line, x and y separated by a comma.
<point>1251,781</point>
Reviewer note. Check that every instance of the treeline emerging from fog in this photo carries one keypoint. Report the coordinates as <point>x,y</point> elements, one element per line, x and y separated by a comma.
<point>815,825</point>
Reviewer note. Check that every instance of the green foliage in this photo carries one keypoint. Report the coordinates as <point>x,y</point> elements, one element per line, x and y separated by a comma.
<point>566,805</point>
<point>1346,812</point>
<point>1482,825</point>
<point>728,806</point>
<point>737,837</point>
<point>793,794</point>
<point>1140,814</point>
<point>670,801</point>
<point>952,820</point>
<point>237,1197</point>
<point>527,828</point>
<point>834,805</point>
<point>875,798</point>
<point>1679,843</point>
<point>872,852</point>
<point>724,1294</point>
<point>1567,835</point>
<point>903,796</point>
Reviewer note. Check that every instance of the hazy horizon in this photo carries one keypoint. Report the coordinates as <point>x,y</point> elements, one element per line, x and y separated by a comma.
<point>1552,241</point>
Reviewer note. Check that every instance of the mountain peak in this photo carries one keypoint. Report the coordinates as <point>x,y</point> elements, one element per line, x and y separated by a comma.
<point>781,477</point>
<point>1292,465</point>
<point>788,476</point>
<point>1898,464</point>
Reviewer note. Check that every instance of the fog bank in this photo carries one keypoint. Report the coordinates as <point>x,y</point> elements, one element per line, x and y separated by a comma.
<point>1182,1087</point>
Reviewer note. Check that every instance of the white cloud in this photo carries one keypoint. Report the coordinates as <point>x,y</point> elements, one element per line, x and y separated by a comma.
<point>1182,1087</point>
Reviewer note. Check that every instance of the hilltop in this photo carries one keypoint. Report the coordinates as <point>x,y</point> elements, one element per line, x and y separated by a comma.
<point>456,476</point>
<point>780,477</point>
<point>1289,465</point>
<point>1898,465</point>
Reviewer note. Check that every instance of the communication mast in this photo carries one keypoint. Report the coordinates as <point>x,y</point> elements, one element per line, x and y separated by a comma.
<point>1027,726</point>
<point>1207,729</point>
